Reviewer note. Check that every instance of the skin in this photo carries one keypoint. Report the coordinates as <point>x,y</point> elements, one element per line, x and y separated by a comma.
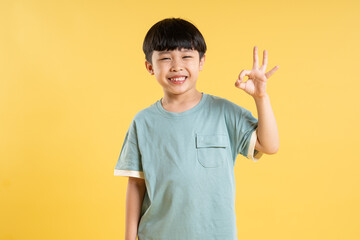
<point>134,198</point>
<point>267,132</point>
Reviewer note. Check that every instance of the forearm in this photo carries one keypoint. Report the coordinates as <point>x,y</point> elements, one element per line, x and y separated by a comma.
<point>134,198</point>
<point>267,132</point>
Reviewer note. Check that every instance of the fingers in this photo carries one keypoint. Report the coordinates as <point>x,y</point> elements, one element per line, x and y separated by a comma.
<point>264,64</point>
<point>256,59</point>
<point>243,73</point>
<point>240,79</point>
<point>271,72</point>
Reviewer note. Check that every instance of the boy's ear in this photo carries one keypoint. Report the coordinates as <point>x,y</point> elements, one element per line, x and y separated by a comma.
<point>202,61</point>
<point>149,67</point>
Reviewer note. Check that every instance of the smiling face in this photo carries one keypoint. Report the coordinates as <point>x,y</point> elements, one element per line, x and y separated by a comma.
<point>176,70</point>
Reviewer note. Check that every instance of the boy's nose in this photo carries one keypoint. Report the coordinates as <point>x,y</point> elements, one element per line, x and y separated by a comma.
<point>176,69</point>
<point>176,66</point>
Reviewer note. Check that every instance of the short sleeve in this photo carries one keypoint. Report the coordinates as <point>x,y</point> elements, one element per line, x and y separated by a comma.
<point>242,127</point>
<point>247,136</point>
<point>129,161</point>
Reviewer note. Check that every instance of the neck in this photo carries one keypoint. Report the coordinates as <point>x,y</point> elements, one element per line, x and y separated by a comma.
<point>177,99</point>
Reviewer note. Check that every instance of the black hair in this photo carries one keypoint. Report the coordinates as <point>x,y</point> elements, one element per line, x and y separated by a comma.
<point>171,34</point>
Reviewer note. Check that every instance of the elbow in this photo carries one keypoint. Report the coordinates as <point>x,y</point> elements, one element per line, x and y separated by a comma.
<point>273,150</point>
<point>270,150</point>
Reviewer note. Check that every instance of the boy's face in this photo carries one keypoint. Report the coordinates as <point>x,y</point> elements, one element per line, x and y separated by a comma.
<point>176,70</point>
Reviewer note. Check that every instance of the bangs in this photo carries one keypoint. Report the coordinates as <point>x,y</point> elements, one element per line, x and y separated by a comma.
<point>173,34</point>
<point>174,39</point>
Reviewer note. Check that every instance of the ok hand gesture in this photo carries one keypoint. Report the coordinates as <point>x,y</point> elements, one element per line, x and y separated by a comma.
<point>256,84</point>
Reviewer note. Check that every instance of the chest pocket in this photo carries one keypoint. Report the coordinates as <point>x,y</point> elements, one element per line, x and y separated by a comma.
<point>211,149</point>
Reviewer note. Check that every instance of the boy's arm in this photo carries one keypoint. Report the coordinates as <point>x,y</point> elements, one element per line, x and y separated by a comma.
<point>267,132</point>
<point>134,198</point>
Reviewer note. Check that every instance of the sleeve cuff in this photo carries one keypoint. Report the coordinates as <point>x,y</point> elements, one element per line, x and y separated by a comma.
<point>128,173</point>
<point>253,154</point>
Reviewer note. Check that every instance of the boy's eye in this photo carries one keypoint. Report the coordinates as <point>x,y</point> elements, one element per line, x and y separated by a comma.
<point>169,58</point>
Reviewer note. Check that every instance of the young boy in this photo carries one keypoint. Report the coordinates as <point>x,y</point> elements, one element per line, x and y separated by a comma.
<point>179,153</point>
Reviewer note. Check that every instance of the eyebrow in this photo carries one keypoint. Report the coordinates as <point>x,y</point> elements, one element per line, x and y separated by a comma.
<point>165,52</point>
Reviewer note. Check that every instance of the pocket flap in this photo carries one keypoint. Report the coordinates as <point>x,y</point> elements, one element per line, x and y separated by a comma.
<point>215,140</point>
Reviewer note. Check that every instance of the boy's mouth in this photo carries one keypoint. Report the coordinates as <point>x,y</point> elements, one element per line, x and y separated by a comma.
<point>178,80</point>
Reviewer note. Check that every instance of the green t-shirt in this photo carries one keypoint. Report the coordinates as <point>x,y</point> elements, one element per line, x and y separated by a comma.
<point>187,160</point>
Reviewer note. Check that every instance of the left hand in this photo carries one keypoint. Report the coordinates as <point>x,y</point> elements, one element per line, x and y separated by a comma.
<point>257,78</point>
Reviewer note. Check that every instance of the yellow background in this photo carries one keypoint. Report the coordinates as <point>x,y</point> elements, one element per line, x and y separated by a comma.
<point>72,77</point>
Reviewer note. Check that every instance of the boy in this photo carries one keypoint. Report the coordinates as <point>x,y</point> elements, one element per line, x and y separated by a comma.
<point>179,153</point>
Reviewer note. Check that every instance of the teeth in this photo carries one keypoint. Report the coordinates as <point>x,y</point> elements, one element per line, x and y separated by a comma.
<point>177,79</point>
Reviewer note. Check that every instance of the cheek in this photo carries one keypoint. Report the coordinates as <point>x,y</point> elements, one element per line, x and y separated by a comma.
<point>160,72</point>
<point>157,71</point>
<point>161,69</point>
<point>194,69</point>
